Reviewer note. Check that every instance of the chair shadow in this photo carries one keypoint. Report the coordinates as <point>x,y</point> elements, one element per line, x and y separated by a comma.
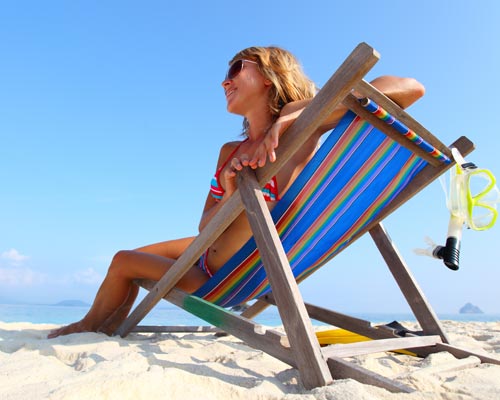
<point>202,366</point>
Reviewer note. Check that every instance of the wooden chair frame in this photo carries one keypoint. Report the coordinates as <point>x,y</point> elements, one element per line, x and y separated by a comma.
<point>299,347</point>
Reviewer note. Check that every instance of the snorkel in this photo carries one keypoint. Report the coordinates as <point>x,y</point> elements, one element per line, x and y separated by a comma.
<point>472,200</point>
<point>450,254</point>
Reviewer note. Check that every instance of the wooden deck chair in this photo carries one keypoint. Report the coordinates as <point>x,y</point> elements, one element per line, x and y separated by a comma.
<point>368,166</point>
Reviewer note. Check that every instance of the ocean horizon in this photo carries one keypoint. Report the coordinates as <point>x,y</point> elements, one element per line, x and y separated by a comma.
<point>172,315</point>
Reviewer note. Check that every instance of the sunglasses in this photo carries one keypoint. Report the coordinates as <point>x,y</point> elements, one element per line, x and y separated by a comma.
<point>236,67</point>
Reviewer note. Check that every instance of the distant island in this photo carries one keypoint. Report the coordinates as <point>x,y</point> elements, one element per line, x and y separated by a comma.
<point>470,309</point>
<point>72,303</point>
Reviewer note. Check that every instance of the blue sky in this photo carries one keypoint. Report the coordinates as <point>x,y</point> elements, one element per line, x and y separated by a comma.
<point>112,115</point>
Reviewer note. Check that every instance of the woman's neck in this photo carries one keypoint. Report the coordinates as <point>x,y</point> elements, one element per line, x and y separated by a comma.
<point>258,127</point>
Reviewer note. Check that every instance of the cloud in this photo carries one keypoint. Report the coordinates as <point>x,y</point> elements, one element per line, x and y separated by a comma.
<point>13,257</point>
<point>21,277</point>
<point>88,276</point>
<point>12,272</point>
<point>27,281</point>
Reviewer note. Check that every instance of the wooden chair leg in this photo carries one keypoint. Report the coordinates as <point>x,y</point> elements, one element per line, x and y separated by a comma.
<point>408,285</point>
<point>312,366</point>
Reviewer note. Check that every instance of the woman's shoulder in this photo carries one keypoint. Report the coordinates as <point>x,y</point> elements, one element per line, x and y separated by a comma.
<point>226,150</point>
<point>231,145</point>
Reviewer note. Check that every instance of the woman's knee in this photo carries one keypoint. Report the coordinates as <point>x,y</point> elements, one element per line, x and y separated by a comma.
<point>119,262</point>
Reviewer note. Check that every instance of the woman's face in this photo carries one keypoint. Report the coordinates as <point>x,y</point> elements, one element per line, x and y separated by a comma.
<point>245,90</point>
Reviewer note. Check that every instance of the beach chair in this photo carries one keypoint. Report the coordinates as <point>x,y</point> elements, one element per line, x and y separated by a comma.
<point>376,159</point>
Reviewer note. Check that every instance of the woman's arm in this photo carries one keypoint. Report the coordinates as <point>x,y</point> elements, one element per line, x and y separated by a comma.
<point>229,179</point>
<point>403,91</point>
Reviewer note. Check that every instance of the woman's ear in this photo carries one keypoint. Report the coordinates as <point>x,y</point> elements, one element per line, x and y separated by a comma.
<point>267,82</point>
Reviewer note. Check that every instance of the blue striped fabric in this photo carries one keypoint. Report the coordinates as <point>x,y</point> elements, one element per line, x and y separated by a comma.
<point>352,177</point>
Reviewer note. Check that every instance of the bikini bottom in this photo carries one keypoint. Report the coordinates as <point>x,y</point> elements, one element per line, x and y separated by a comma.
<point>203,264</point>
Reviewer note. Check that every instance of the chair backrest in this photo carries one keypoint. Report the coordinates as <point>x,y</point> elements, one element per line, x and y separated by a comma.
<point>352,178</point>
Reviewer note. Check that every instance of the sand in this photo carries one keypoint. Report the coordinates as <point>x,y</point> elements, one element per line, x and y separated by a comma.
<point>201,366</point>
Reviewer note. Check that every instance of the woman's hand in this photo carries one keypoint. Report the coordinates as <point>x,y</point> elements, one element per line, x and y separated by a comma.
<point>266,147</point>
<point>269,143</point>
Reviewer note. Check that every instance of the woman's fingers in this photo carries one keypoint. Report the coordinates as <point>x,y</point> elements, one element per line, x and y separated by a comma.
<point>266,150</point>
<point>236,165</point>
<point>259,157</point>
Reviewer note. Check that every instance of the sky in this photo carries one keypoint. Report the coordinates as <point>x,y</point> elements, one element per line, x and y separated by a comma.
<point>112,116</point>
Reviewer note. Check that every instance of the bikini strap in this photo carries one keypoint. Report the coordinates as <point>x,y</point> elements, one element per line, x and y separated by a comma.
<point>229,157</point>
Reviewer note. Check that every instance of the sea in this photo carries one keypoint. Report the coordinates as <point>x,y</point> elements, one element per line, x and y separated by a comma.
<point>171,315</point>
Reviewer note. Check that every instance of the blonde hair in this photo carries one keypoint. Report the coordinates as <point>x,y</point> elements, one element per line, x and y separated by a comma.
<point>289,82</point>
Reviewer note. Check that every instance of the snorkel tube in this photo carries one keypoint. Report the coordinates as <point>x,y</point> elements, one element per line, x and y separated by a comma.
<point>450,253</point>
<point>474,206</point>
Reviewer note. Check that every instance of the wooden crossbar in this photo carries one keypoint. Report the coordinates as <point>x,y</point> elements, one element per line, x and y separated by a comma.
<point>380,345</point>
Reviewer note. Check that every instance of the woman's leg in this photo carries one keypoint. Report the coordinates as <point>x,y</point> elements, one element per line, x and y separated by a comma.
<point>170,249</point>
<point>112,323</point>
<point>117,289</point>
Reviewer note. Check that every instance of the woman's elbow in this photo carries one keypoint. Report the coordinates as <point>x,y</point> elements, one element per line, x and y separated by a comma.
<point>204,220</point>
<point>201,225</point>
<point>417,88</point>
<point>410,90</point>
<point>403,91</point>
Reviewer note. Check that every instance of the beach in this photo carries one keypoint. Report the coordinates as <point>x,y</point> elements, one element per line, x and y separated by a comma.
<point>203,366</point>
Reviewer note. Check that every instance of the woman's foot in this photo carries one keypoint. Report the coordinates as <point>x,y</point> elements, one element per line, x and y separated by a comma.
<point>75,327</point>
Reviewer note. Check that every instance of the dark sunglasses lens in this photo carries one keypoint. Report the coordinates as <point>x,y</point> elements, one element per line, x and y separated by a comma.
<point>234,69</point>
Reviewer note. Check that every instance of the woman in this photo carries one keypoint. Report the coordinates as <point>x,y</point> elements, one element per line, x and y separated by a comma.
<point>265,85</point>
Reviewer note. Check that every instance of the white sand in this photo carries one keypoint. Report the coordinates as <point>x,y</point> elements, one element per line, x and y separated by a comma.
<point>189,366</point>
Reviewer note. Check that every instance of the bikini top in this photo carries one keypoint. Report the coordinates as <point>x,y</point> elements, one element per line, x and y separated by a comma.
<point>270,191</point>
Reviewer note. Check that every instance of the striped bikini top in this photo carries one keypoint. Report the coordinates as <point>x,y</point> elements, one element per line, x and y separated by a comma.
<point>270,191</point>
